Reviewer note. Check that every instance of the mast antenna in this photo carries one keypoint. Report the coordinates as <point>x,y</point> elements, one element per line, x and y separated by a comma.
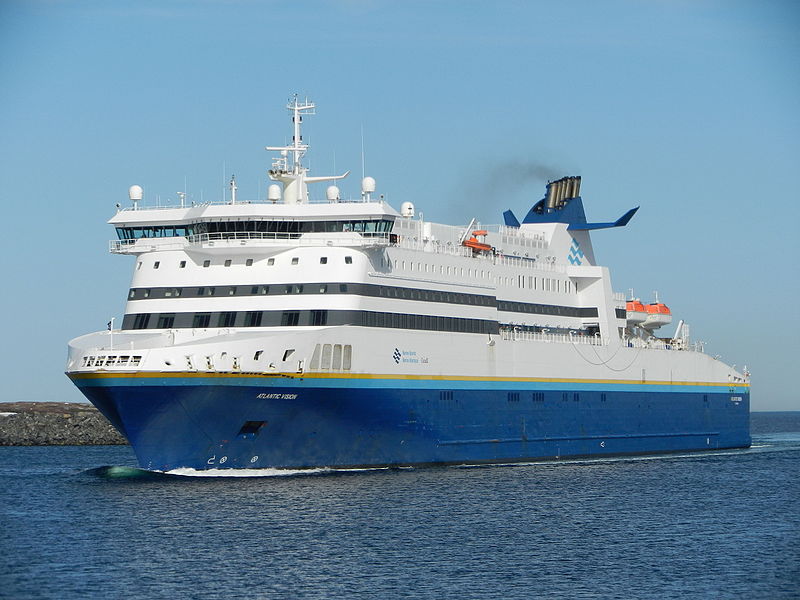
<point>363,160</point>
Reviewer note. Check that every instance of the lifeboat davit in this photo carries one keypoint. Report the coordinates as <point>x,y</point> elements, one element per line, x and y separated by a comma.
<point>658,314</point>
<point>475,244</point>
<point>635,314</point>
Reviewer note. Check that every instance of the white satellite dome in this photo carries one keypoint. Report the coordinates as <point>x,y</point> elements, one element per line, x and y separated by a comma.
<point>407,210</point>
<point>332,193</point>
<point>368,185</point>
<point>274,193</point>
<point>135,193</point>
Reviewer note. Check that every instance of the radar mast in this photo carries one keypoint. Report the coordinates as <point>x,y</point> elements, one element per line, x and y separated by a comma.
<point>294,177</point>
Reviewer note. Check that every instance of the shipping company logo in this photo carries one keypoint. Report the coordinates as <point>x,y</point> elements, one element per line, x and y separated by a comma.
<point>409,357</point>
<point>575,253</point>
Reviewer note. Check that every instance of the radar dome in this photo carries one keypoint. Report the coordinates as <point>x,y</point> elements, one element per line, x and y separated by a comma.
<point>135,193</point>
<point>368,185</point>
<point>332,193</point>
<point>407,209</point>
<point>274,193</point>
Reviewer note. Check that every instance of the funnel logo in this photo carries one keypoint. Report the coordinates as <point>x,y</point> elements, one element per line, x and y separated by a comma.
<point>396,356</point>
<point>575,255</point>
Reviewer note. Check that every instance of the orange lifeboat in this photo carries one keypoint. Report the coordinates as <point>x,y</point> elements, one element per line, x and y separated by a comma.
<point>635,312</point>
<point>475,244</point>
<point>658,314</point>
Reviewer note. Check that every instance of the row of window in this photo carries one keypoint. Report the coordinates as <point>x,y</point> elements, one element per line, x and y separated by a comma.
<point>363,289</point>
<point>359,289</point>
<point>277,227</point>
<point>546,309</point>
<point>295,318</point>
<point>323,260</point>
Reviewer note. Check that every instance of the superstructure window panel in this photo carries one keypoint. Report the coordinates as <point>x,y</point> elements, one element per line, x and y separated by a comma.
<point>201,320</point>
<point>226,319</point>
<point>166,321</point>
<point>347,357</point>
<point>253,319</point>
<point>141,321</point>
<point>290,319</point>
<point>336,363</point>
<point>327,353</point>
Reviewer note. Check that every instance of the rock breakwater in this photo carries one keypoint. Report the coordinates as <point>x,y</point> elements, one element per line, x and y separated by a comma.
<point>55,424</point>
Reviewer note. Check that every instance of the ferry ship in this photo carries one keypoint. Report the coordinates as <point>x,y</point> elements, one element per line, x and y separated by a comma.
<point>295,333</point>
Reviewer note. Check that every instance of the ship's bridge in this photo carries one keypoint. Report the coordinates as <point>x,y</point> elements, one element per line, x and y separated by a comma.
<point>350,223</point>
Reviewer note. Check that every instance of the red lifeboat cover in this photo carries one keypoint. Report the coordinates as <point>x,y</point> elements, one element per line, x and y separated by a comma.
<point>657,308</point>
<point>634,306</point>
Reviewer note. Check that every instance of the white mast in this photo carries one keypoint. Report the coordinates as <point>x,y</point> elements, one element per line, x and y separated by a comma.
<point>294,177</point>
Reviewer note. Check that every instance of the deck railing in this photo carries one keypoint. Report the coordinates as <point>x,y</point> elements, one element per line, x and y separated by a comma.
<point>558,338</point>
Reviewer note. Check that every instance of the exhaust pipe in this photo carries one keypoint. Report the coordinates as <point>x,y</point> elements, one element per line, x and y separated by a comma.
<point>550,203</point>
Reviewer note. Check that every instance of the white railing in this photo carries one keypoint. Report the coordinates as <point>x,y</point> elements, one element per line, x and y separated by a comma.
<point>146,245</point>
<point>558,338</point>
<point>228,202</point>
<point>662,344</point>
<point>245,238</point>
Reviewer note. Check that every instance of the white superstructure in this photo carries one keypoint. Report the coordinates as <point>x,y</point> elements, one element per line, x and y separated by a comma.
<point>289,284</point>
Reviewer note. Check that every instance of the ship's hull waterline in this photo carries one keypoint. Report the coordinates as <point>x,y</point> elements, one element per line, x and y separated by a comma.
<point>233,421</point>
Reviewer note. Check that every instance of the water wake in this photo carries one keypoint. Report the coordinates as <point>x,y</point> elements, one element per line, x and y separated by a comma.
<point>123,473</point>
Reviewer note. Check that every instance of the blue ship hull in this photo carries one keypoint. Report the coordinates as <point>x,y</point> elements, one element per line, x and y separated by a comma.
<point>235,421</point>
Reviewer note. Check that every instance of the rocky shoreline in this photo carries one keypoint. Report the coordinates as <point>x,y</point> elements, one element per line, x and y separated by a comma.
<point>55,424</point>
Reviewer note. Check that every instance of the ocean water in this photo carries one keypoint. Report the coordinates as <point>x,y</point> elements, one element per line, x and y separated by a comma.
<point>81,522</point>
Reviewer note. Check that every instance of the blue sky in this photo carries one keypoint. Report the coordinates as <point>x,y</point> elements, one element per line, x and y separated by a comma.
<point>689,109</point>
